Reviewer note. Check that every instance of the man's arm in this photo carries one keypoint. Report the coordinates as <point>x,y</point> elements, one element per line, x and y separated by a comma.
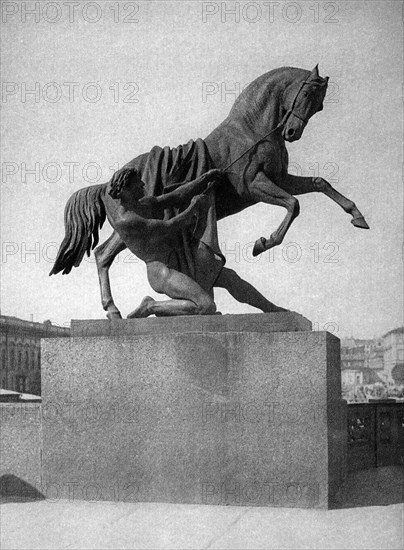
<point>197,206</point>
<point>135,223</point>
<point>184,193</point>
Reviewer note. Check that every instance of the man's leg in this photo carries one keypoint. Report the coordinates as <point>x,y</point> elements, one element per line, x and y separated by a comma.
<point>187,297</point>
<point>244,292</point>
<point>208,266</point>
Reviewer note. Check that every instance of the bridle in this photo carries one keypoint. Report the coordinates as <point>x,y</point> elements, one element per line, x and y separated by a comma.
<point>282,123</point>
<point>292,111</point>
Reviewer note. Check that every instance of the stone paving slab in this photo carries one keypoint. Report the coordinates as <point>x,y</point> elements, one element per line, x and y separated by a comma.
<point>107,525</point>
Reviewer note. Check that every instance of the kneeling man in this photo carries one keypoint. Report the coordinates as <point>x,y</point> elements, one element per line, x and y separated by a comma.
<point>154,240</point>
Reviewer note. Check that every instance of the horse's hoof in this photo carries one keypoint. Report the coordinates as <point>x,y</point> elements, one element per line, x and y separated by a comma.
<point>259,246</point>
<point>114,315</point>
<point>360,222</point>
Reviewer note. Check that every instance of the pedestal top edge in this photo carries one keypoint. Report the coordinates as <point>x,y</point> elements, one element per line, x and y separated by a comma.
<point>260,322</point>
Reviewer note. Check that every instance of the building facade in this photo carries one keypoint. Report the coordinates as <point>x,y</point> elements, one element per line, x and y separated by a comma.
<point>373,369</point>
<point>355,360</point>
<point>393,343</point>
<point>20,352</point>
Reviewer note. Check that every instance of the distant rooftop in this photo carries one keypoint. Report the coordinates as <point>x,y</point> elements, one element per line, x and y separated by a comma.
<point>9,396</point>
<point>359,342</point>
<point>398,330</point>
<point>9,322</point>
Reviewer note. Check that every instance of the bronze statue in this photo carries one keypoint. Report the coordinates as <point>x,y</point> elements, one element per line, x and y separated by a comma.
<point>249,150</point>
<point>154,240</point>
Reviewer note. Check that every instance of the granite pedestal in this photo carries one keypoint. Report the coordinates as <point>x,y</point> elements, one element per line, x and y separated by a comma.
<point>227,410</point>
<point>20,449</point>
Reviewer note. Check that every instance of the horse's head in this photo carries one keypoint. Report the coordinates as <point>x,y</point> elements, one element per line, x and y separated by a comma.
<point>300,102</point>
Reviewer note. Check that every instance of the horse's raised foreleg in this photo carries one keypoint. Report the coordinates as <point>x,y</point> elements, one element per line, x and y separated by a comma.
<point>244,292</point>
<point>298,185</point>
<point>263,189</point>
<point>104,256</point>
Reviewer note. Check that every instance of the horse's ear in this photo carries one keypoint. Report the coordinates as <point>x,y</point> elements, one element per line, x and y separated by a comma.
<point>314,73</point>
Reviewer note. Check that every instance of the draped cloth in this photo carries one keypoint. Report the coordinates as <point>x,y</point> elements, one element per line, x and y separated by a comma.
<point>164,169</point>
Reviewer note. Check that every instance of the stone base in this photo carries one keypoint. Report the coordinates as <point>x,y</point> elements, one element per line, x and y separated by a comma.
<point>20,449</point>
<point>287,321</point>
<point>245,416</point>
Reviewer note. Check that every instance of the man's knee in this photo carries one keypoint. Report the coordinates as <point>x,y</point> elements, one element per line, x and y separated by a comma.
<point>158,276</point>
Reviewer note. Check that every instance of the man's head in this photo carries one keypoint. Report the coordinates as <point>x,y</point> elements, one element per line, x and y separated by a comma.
<point>126,184</point>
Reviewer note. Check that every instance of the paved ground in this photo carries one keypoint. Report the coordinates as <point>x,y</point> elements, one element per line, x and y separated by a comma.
<point>370,515</point>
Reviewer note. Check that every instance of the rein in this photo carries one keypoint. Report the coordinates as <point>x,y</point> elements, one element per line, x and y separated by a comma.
<point>279,125</point>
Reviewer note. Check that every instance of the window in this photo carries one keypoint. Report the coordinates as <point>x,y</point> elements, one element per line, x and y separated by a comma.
<point>12,359</point>
<point>32,359</point>
<point>3,359</point>
<point>21,383</point>
<point>26,360</point>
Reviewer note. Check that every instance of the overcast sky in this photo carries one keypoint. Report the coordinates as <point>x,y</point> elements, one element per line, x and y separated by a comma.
<point>111,84</point>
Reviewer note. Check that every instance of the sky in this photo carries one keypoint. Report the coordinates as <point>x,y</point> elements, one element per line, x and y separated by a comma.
<point>86,89</point>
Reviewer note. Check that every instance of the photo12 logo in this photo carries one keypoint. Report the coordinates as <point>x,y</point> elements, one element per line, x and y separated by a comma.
<point>56,171</point>
<point>227,91</point>
<point>291,252</point>
<point>39,252</point>
<point>92,491</point>
<point>70,12</point>
<point>69,92</point>
<point>270,12</point>
<point>274,493</point>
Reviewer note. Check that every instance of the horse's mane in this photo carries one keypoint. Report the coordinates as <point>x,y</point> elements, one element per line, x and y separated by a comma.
<point>253,99</point>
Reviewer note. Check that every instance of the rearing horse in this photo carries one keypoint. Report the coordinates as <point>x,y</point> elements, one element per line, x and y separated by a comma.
<point>250,146</point>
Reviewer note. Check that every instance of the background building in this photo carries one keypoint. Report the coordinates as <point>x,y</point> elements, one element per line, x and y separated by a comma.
<point>373,369</point>
<point>20,352</point>
<point>393,343</point>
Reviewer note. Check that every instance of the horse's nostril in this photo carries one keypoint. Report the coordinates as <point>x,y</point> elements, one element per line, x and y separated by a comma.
<point>291,132</point>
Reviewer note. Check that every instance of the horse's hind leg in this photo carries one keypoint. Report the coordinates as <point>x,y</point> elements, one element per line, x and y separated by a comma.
<point>104,256</point>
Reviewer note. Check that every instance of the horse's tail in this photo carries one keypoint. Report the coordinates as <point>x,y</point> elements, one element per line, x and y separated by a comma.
<point>84,216</point>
